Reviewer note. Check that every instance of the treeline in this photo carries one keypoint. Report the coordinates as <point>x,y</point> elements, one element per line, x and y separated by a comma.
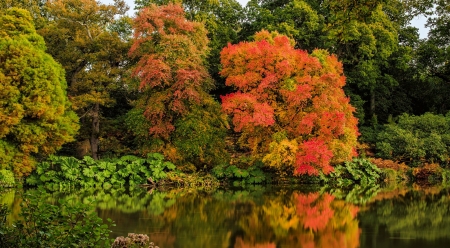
<point>209,83</point>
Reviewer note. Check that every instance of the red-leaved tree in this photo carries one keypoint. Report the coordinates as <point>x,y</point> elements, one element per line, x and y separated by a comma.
<point>289,106</point>
<point>183,121</point>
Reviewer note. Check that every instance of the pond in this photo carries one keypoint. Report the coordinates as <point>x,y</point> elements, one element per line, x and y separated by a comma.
<point>275,216</point>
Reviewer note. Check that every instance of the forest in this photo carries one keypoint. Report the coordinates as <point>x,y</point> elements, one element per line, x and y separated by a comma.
<point>289,87</point>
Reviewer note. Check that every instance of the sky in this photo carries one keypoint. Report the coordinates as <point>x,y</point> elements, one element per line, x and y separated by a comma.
<point>417,22</point>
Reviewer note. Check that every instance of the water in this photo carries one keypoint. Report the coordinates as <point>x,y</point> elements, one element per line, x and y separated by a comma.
<point>301,216</point>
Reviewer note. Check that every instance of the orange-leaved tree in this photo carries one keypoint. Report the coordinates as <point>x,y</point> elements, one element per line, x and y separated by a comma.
<point>182,120</point>
<point>289,108</point>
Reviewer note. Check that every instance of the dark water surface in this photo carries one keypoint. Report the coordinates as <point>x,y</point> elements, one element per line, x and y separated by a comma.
<point>257,217</point>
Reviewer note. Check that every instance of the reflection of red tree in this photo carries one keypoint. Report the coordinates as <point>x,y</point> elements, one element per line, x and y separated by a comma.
<point>327,222</point>
<point>314,210</point>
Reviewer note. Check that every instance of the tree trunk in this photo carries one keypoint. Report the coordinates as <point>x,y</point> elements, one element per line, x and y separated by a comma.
<point>95,131</point>
<point>372,103</point>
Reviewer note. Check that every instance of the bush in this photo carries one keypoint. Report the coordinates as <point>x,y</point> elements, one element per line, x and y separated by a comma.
<point>67,224</point>
<point>356,172</point>
<point>250,175</point>
<point>416,139</point>
<point>7,179</point>
<point>67,172</point>
<point>428,174</point>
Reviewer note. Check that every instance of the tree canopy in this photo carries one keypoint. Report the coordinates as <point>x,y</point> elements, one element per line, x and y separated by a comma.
<point>174,85</point>
<point>35,114</point>
<point>289,107</point>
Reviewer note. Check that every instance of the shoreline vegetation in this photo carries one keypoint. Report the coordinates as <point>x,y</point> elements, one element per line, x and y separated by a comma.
<point>74,213</point>
<point>343,95</point>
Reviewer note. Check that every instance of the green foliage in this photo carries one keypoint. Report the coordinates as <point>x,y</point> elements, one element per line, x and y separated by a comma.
<point>356,172</point>
<point>413,139</point>
<point>67,224</point>
<point>357,194</point>
<point>35,115</point>
<point>200,135</point>
<point>59,173</point>
<point>85,37</point>
<point>411,215</point>
<point>252,175</point>
<point>7,179</point>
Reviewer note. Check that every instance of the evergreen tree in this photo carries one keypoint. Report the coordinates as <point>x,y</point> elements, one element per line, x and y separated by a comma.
<point>35,115</point>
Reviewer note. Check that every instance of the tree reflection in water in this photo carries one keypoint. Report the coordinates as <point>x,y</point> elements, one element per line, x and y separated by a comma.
<point>228,218</point>
<point>271,217</point>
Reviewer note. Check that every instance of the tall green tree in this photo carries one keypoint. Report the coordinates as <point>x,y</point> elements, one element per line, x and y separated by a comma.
<point>181,119</point>
<point>433,60</point>
<point>89,39</point>
<point>35,115</point>
<point>36,8</point>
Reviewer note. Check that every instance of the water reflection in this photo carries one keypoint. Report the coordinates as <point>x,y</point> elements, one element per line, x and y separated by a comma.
<point>273,217</point>
<point>414,218</point>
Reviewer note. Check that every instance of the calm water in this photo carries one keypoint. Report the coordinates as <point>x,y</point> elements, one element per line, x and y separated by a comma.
<point>277,216</point>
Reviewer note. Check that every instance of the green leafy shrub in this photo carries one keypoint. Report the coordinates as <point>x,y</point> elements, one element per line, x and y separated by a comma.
<point>252,175</point>
<point>7,179</point>
<point>416,139</point>
<point>67,172</point>
<point>356,172</point>
<point>68,224</point>
<point>358,194</point>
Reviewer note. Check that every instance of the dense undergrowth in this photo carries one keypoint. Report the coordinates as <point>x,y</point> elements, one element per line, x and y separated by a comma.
<point>65,224</point>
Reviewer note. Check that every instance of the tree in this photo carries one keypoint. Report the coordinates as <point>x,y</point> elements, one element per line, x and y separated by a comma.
<point>222,19</point>
<point>35,7</point>
<point>433,60</point>
<point>363,34</point>
<point>289,106</point>
<point>181,118</point>
<point>85,37</point>
<point>35,115</point>
<point>296,19</point>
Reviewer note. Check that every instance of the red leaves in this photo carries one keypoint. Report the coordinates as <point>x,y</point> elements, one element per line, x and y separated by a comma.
<point>152,71</point>
<point>162,20</point>
<point>247,112</point>
<point>312,157</point>
<point>315,209</point>
<point>282,89</point>
<point>173,78</point>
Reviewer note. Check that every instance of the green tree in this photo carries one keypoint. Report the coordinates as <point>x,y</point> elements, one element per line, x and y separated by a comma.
<point>35,115</point>
<point>35,7</point>
<point>91,43</point>
<point>433,60</point>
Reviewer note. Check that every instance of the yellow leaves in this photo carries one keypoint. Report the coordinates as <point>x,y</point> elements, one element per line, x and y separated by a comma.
<point>281,153</point>
<point>34,118</point>
<point>282,217</point>
<point>85,100</point>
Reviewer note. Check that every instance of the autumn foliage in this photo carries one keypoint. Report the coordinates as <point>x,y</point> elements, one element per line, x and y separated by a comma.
<point>289,102</point>
<point>35,114</point>
<point>174,85</point>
